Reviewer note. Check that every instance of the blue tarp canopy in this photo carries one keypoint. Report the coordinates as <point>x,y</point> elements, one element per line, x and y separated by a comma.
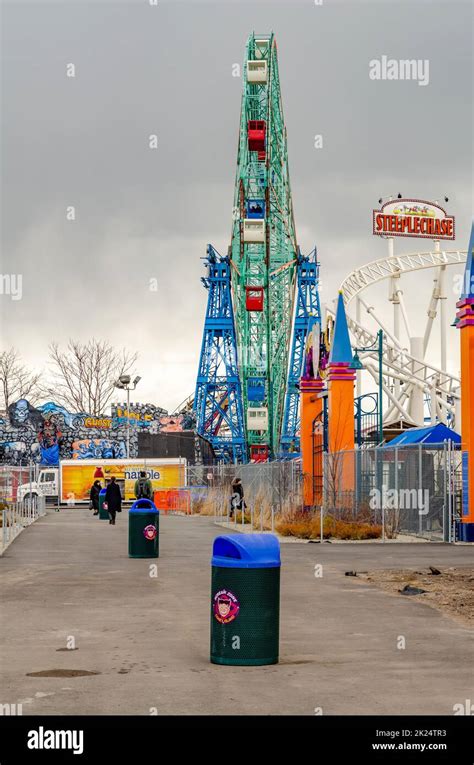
<point>434,434</point>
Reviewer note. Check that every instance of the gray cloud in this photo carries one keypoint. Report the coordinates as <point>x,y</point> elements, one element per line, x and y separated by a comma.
<point>144,214</point>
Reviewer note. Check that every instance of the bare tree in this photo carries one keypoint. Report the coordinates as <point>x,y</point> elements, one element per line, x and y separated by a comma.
<point>84,374</point>
<point>16,380</point>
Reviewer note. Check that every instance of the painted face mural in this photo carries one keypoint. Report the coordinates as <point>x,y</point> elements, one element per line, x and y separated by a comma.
<point>50,432</point>
<point>49,436</point>
<point>23,414</point>
<point>71,420</point>
<point>21,410</point>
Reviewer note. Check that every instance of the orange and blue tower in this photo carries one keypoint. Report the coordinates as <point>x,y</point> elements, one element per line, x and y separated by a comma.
<point>465,323</point>
<point>341,389</point>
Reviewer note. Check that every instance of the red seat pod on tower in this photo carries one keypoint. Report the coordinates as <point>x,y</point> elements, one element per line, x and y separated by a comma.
<point>254,298</point>
<point>259,452</point>
<point>256,130</point>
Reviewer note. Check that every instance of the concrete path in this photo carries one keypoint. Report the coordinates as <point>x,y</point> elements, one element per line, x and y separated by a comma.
<point>68,575</point>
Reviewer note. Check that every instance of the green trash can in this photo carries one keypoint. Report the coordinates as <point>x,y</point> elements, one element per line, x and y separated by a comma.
<point>103,512</point>
<point>143,530</point>
<point>245,600</point>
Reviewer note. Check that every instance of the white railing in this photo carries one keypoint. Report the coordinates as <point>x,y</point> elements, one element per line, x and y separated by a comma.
<point>383,268</point>
<point>17,516</point>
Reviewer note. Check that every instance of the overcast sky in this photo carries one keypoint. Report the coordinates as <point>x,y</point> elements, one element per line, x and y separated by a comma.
<point>146,214</point>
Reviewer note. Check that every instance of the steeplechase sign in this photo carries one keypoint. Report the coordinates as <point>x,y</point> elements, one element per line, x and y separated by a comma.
<point>413,217</point>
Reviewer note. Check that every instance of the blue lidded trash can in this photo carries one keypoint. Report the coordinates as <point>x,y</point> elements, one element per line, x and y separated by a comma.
<point>245,599</point>
<point>143,529</point>
<point>103,512</point>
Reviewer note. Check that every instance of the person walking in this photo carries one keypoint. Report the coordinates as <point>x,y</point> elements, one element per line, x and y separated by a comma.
<point>143,488</point>
<point>237,501</point>
<point>113,498</point>
<point>94,497</point>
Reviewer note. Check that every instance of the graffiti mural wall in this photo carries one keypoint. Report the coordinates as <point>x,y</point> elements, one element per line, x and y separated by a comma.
<point>48,433</point>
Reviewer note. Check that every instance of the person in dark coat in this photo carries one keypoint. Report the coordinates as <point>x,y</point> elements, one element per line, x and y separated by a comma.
<point>94,497</point>
<point>237,501</point>
<point>113,499</point>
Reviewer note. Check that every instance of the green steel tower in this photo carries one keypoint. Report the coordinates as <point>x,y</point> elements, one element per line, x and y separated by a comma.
<point>264,250</point>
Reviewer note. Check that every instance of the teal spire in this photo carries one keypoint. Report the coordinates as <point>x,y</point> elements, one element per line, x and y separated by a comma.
<point>341,351</point>
<point>468,281</point>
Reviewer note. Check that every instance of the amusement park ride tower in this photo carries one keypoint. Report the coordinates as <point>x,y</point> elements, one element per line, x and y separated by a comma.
<point>465,323</point>
<point>262,294</point>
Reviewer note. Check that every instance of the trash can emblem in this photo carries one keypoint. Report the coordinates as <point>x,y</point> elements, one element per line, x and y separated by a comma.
<point>226,606</point>
<point>150,532</point>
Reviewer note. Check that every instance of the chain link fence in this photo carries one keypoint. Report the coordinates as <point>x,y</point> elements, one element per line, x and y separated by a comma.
<point>15,515</point>
<point>414,490</point>
<point>270,490</point>
<point>13,476</point>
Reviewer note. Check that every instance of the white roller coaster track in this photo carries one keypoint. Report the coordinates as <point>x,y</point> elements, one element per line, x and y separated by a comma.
<point>401,365</point>
<point>377,270</point>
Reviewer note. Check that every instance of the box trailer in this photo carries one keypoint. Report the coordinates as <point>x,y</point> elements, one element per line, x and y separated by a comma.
<point>73,479</point>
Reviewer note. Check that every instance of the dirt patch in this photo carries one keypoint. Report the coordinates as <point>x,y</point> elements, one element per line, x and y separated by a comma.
<point>451,591</point>
<point>62,673</point>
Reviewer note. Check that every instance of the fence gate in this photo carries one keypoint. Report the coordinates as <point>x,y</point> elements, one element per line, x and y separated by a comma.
<point>319,430</point>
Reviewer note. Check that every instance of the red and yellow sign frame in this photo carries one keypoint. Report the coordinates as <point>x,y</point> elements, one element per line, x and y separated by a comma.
<point>413,217</point>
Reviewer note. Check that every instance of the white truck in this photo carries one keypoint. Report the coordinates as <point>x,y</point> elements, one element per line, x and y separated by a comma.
<point>72,481</point>
<point>46,486</point>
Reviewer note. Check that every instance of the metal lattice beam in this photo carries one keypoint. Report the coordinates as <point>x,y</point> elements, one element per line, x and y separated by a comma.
<point>263,336</point>
<point>218,395</point>
<point>307,305</point>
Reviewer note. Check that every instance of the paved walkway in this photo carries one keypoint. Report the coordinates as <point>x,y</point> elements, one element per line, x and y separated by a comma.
<point>148,638</point>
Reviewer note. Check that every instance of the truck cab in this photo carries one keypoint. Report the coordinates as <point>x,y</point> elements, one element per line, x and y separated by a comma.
<point>47,485</point>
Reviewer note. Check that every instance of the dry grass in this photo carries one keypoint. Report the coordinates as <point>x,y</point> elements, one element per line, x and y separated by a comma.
<point>308,526</point>
<point>207,505</point>
<point>288,521</point>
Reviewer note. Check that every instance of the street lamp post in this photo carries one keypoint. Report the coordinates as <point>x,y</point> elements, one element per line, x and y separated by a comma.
<point>357,365</point>
<point>124,384</point>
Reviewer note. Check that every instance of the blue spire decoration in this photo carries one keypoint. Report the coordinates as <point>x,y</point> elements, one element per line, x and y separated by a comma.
<point>341,351</point>
<point>468,282</point>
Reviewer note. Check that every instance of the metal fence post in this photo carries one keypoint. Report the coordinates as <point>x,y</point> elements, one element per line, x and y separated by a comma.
<point>30,471</point>
<point>376,477</point>
<point>445,493</point>
<point>397,499</point>
<point>450,498</point>
<point>381,499</point>
<point>420,490</point>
